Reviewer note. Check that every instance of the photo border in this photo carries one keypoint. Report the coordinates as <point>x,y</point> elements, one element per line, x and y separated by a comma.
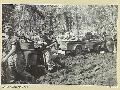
<point>63,87</point>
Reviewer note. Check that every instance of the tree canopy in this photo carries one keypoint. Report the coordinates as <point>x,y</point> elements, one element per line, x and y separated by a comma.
<point>60,18</point>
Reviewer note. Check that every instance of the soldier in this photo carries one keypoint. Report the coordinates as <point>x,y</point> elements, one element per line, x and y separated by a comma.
<point>17,64</point>
<point>52,42</point>
<point>108,43</point>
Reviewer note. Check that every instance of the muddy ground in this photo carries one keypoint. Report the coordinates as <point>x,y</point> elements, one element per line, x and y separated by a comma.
<point>93,69</point>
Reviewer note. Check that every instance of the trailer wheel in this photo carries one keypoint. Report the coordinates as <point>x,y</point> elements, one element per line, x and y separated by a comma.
<point>78,49</point>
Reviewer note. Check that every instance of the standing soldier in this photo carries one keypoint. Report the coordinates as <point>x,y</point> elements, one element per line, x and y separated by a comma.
<point>16,65</point>
<point>108,43</point>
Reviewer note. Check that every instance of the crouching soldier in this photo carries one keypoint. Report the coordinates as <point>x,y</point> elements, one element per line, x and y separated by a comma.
<point>17,64</point>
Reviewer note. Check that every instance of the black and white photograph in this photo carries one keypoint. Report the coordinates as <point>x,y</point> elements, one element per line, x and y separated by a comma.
<point>59,44</point>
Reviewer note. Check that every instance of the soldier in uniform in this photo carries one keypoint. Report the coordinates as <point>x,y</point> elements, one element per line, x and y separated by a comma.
<point>108,43</point>
<point>17,64</point>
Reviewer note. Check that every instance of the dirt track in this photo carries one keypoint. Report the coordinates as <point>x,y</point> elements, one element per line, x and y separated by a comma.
<point>93,70</point>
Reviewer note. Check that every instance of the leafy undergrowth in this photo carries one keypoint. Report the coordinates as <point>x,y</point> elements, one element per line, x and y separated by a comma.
<point>93,69</point>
